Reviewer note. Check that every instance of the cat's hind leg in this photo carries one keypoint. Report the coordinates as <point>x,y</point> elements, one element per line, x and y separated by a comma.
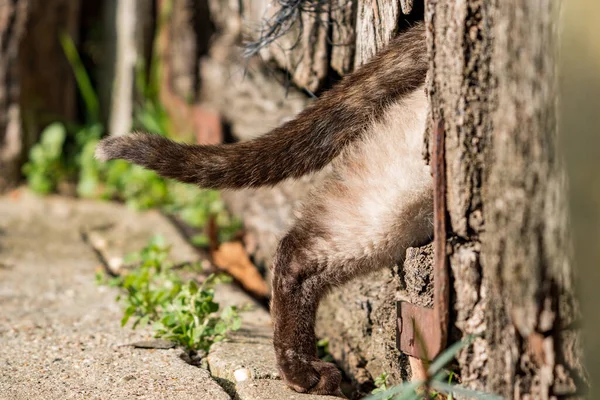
<point>330,244</point>
<point>376,202</point>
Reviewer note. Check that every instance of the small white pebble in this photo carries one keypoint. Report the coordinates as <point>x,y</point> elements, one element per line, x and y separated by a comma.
<point>115,263</point>
<point>241,375</point>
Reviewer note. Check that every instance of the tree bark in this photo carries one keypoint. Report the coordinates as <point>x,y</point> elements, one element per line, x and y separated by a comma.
<point>13,16</point>
<point>48,90</point>
<point>493,81</point>
<point>129,24</point>
<point>36,81</point>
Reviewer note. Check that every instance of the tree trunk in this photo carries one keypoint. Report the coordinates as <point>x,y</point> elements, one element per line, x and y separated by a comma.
<point>129,24</point>
<point>493,81</point>
<point>13,15</point>
<point>36,81</point>
<point>48,91</point>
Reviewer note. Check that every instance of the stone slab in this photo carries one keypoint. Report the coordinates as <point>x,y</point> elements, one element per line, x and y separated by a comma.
<point>60,333</point>
<point>60,336</point>
<point>248,353</point>
<point>272,390</point>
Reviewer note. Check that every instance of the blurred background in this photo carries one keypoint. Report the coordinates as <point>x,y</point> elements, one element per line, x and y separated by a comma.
<point>580,140</point>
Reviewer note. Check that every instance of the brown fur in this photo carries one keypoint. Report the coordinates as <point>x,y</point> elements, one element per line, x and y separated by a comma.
<point>374,203</point>
<point>303,145</point>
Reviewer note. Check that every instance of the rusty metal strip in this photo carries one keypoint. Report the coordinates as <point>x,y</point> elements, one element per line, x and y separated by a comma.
<point>423,332</point>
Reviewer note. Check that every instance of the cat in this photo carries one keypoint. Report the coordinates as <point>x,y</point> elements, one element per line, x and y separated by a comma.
<point>376,201</point>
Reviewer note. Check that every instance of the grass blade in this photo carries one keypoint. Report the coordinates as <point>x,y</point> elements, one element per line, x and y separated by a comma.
<point>463,392</point>
<point>447,355</point>
<point>84,83</point>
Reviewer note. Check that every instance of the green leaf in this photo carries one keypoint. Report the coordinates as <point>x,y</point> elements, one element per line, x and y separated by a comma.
<point>404,391</point>
<point>45,166</point>
<point>200,240</point>
<point>381,380</point>
<point>52,140</point>
<point>236,324</point>
<point>129,311</point>
<point>145,320</point>
<point>193,287</point>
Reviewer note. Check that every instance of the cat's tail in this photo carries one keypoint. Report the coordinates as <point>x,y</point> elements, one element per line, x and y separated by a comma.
<point>303,145</point>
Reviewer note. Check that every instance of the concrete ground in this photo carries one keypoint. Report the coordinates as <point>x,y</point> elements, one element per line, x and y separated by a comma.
<point>60,333</point>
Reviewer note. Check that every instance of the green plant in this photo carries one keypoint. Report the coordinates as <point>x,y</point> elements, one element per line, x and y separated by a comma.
<point>149,113</point>
<point>66,152</point>
<point>436,380</point>
<point>151,286</point>
<point>45,167</point>
<point>381,385</point>
<point>434,394</point>
<point>323,350</point>
<point>191,319</point>
<point>184,312</point>
<point>84,83</point>
<point>450,378</point>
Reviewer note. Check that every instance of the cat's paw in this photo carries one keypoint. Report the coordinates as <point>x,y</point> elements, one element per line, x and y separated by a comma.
<point>299,375</point>
<point>314,377</point>
<point>329,379</point>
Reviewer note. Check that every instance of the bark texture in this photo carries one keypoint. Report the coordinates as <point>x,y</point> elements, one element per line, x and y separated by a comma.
<point>360,319</point>
<point>129,26</point>
<point>324,39</point>
<point>493,81</point>
<point>48,89</point>
<point>189,29</point>
<point>13,16</point>
<point>36,81</point>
